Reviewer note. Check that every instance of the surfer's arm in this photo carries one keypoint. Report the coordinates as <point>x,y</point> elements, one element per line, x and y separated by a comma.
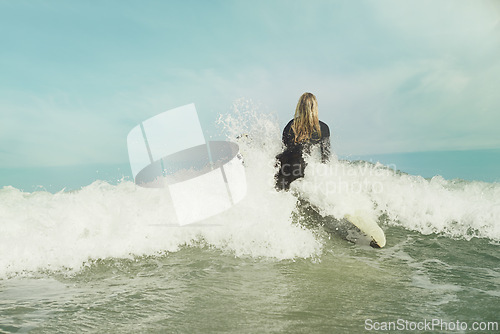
<point>325,143</point>
<point>325,149</point>
<point>287,137</point>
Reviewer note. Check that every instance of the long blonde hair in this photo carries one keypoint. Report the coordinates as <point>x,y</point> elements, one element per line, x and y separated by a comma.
<point>306,120</point>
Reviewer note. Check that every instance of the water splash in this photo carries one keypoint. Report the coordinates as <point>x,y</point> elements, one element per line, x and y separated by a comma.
<point>66,230</point>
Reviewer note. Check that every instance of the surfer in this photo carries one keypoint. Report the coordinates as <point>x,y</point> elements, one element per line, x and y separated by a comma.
<point>303,132</point>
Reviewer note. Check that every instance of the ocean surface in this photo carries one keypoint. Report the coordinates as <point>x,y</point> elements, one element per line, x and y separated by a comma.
<point>85,250</point>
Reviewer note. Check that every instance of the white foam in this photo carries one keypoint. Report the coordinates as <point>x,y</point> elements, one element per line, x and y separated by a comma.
<point>455,208</point>
<point>41,230</point>
<point>51,231</point>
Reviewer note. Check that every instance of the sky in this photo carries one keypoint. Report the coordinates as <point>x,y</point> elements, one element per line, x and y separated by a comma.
<point>390,76</point>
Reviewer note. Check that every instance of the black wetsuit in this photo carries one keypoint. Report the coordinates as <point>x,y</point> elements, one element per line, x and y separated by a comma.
<point>291,160</point>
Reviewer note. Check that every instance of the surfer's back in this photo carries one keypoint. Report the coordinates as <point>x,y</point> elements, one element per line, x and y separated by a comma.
<point>300,134</point>
<point>322,138</point>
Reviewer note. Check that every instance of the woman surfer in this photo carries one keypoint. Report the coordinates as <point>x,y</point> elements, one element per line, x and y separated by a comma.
<point>303,132</point>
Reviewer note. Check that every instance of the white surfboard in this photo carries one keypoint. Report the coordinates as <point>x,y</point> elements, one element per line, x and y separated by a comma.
<point>369,227</point>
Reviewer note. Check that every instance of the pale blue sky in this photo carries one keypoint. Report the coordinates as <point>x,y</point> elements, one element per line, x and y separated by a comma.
<point>390,76</point>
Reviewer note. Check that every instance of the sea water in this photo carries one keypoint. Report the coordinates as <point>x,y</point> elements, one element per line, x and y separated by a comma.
<point>103,258</point>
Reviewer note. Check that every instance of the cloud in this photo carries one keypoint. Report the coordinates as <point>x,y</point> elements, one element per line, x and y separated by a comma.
<point>390,76</point>
<point>53,131</point>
